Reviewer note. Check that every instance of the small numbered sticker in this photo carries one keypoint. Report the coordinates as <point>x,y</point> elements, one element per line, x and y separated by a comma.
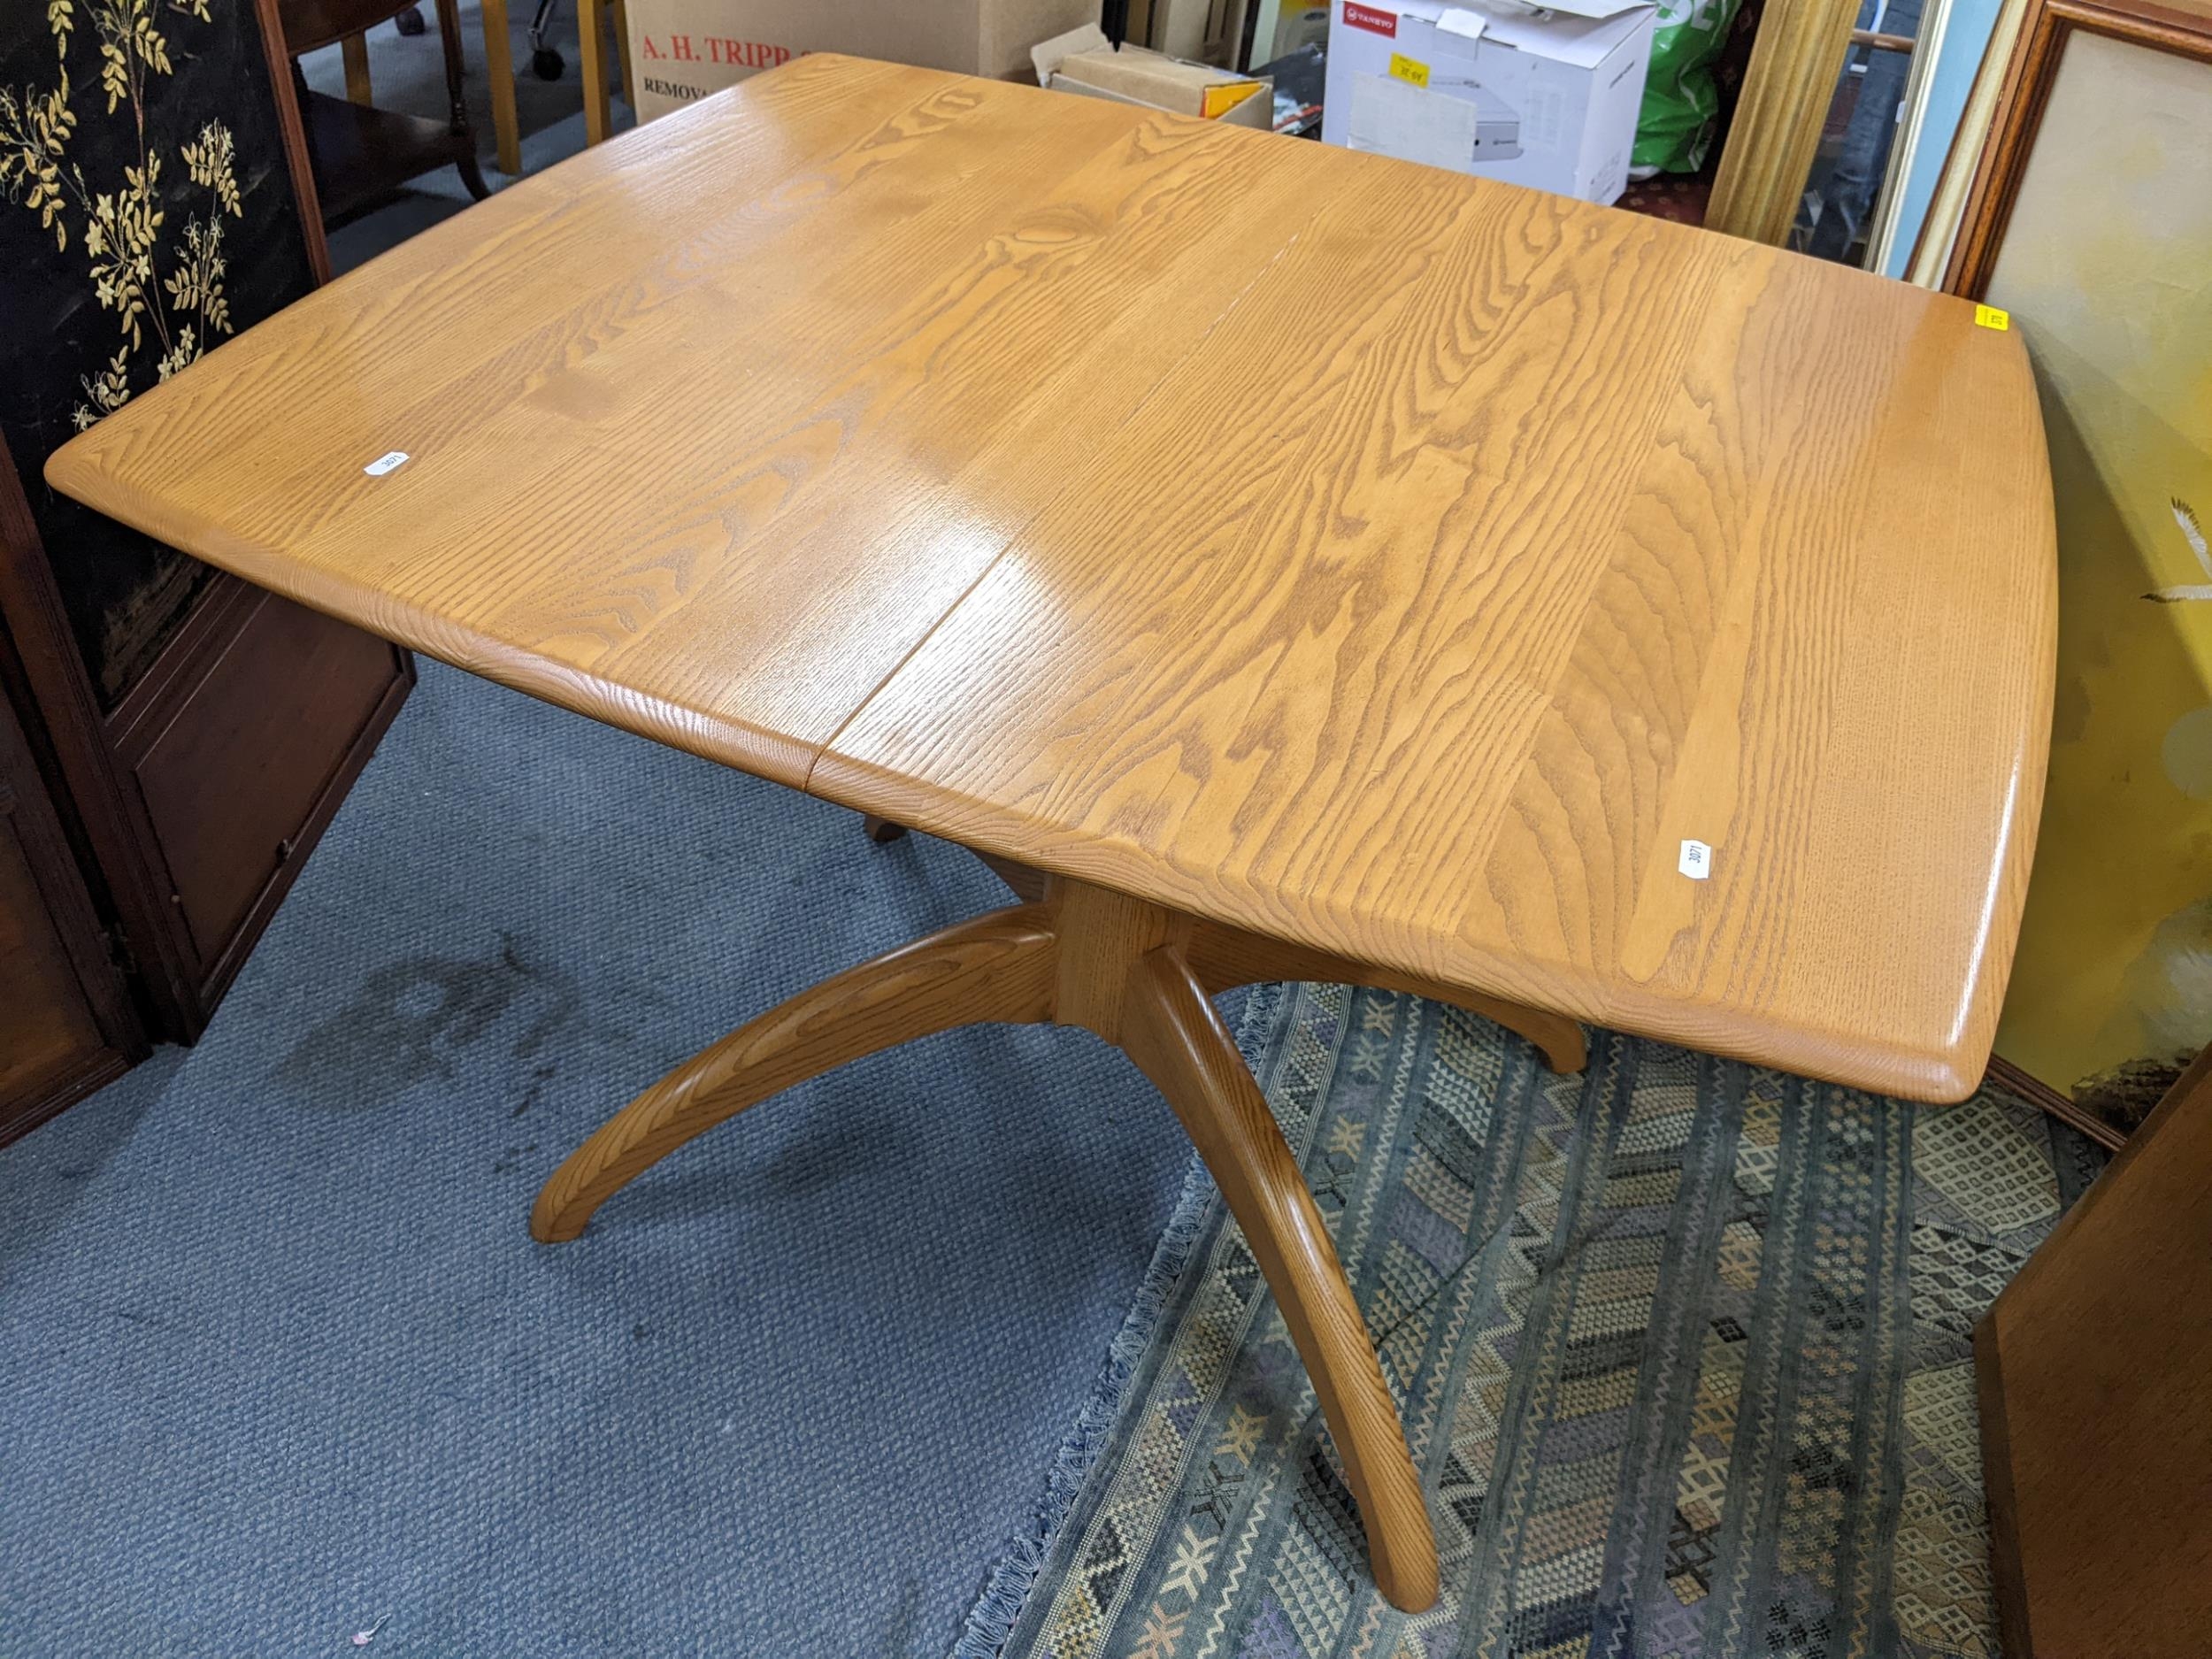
<point>1991,317</point>
<point>1409,70</point>
<point>383,464</point>
<point>1697,860</point>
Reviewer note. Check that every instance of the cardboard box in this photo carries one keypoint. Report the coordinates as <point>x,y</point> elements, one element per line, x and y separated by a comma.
<point>1080,61</point>
<point>1546,98</point>
<point>681,50</point>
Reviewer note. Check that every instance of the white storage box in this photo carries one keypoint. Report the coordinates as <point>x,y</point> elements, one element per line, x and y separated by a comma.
<point>1547,98</point>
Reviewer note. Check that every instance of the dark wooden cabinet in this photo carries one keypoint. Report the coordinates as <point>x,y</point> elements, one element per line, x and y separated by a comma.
<point>233,754</point>
<point>66,1024</point>
<point>174,739</point>
<point>179,818</point>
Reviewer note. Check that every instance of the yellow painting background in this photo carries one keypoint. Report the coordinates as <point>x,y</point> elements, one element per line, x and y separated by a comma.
<point>2107,267</point>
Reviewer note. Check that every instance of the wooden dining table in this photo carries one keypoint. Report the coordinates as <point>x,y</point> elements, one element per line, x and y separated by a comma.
<point>1280,562</point>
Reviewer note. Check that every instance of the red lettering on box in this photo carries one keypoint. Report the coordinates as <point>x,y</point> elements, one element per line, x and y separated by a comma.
<point>1372,20</point>
<point>747,54</point>
<point>680,48</point>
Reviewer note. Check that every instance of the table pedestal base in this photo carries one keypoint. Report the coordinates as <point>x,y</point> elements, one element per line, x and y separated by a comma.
<point>1140,977</point>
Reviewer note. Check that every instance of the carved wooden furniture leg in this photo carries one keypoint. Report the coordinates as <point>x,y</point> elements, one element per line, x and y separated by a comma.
<point>456,99</point>
<point>996,967</point>
<point>1138,975</point>
<point>1172,1032</point>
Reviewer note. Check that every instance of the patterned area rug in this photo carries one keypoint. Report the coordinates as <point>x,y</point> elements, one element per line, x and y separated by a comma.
<point>1682,1348</point>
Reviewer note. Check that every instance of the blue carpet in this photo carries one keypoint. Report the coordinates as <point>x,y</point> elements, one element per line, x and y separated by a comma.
<point>278,1358</point>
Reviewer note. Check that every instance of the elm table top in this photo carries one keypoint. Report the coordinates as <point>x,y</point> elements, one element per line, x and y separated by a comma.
<point>1389,561</point>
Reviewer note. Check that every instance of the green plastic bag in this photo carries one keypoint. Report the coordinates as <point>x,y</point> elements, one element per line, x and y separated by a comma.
<point>1681,101</point>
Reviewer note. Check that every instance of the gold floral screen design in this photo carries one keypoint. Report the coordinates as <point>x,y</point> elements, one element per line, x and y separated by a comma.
<point>121,230</point>
<point>146,214</point>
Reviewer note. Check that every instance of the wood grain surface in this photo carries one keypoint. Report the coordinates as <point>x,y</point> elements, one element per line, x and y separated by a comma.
<point>1387,562</point>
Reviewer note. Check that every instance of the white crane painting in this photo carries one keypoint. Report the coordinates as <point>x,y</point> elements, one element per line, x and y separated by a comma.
<point>2192,533</point>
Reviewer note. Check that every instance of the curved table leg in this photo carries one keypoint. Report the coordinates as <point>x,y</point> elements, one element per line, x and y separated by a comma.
<point>1172,1032</point>
<point>1078,956</point>
<point>995,967</point>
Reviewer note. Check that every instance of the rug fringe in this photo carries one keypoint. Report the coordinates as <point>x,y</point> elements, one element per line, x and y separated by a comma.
<point>990,1621</point>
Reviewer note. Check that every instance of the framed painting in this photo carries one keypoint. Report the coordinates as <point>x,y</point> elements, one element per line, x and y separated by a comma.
<point>1962,94</point>
<point>2090,222</point>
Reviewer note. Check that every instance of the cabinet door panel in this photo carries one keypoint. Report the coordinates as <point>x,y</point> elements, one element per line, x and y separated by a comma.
<point>235,777</point>
<point>47,1028</point>
<point>200,734</point>
<point>65,1026</point>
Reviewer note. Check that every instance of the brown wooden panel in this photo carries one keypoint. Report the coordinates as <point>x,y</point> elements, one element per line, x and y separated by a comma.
<point>234,773</point>
<point>46,1025</point>
<point>2096,1405</point>
<point>65,1025</point>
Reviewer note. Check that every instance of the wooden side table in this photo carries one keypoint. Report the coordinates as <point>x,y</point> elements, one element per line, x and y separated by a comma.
<point>362,154</point>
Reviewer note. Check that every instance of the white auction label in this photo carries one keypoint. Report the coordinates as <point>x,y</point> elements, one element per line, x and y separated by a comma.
<point>1697,860</point>
<point>384,463</point>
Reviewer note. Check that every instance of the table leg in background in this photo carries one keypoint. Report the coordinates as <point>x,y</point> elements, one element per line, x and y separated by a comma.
<point>499,69</point>
<point>591,25</point>
<point>353,50</point>
<point>622,50</point>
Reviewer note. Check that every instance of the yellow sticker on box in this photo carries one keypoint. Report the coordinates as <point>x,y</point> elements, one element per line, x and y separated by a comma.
<point>1990,317</point>
<point>1410,70</point>
<point>1219,100</point>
